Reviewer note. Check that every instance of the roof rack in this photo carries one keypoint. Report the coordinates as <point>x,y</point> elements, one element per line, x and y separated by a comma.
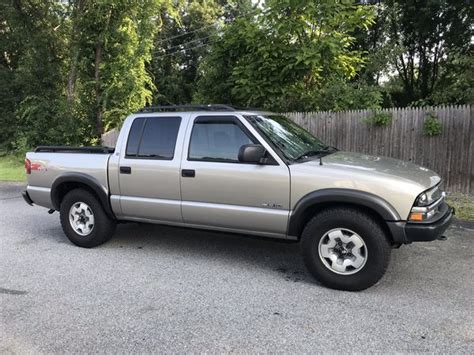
<point>213,107</point>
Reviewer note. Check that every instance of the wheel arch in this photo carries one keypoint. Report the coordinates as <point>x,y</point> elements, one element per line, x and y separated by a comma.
<point>316,201</point>
<point>70,181</point>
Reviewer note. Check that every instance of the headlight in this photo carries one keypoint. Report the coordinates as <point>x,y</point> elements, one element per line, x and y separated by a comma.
<point>422,200</point>
<point>428,197</point>
<point>426,204</point>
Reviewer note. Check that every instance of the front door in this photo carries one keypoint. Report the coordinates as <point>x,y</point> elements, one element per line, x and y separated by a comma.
<point>220,192</point>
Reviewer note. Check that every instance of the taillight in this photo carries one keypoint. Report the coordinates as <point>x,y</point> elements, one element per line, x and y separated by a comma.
<point>28,166</point>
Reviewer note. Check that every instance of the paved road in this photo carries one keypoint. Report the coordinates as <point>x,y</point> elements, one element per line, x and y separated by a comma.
<point>161,289</point>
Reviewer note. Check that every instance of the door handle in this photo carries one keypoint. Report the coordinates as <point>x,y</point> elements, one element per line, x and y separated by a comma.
<point>188,173</point>
<point>125,170</point>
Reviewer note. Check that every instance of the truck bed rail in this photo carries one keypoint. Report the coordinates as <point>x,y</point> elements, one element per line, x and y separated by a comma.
<point>67,149</point>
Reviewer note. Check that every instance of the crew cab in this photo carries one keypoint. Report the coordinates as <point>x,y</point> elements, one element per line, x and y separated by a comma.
<point>248,172</point>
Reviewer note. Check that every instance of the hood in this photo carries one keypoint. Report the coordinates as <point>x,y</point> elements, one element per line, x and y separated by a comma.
<point>396,181</point>
<point>389,167</point>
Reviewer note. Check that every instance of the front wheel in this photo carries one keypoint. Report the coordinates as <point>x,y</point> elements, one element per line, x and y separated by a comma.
<point>83,219</point>
<point>345,249</point>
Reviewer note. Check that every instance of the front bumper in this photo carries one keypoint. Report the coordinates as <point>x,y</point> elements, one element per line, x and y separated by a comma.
<point>408,232</point>
<point>426,232</point>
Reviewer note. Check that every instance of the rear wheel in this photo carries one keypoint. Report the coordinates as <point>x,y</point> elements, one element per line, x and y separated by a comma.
<point>345,249</point>
<point>83,219</point>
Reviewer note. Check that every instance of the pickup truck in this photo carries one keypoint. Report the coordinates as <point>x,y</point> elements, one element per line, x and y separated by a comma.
<point>248,172</point>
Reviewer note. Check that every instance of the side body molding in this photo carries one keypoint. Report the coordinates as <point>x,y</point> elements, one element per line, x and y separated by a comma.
<point>349,196</point>
<point>84,179</point>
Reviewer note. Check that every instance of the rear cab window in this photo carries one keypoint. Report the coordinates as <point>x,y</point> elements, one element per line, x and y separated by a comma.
<point>153,138</point>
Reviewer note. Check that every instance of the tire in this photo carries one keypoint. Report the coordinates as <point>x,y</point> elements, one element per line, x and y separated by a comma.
<point>362,241</point>
<point>94,228</point>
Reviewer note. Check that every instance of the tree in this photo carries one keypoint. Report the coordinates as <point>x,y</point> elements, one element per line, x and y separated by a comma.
<point>285,55</point>
<point>32,37</point>
<point>180,46</point>
<point>73,69</point>
<point>110,48</point>
<point>428,35</point>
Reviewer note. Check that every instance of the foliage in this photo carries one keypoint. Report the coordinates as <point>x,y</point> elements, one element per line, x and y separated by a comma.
<point>427,35</point>
<point>71,69</point>
<point>180,46</point>
<point>33,47</point>
<point>283,56</point>
<point>111,48</point>
<point>374,42</point>
<point>44,123</point>
<point>456,81</point>
<point>337,94</point>
<point>432,126</point>
<point>379,119</point>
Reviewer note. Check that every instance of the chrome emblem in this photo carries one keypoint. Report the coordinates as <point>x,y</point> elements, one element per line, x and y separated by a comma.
<point>272,205</point>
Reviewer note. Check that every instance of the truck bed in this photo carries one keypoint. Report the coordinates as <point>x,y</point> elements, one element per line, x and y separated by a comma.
<point>48,162</point>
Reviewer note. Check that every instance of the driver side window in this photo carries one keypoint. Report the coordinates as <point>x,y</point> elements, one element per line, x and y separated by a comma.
<point>217,139</point>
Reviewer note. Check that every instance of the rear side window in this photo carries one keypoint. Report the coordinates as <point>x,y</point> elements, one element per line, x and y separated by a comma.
<point>134,136</point>
<point>153,137</point>
<point>216,140</point>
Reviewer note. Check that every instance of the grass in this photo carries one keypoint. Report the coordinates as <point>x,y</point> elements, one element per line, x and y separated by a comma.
<point>463,204</point>
<point>12,168</point>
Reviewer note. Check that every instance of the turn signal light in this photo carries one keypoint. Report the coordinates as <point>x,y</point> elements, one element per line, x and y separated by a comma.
<point>416,217</point>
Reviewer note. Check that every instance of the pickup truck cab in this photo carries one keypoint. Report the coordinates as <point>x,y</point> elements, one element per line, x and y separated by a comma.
<point>243,171</point>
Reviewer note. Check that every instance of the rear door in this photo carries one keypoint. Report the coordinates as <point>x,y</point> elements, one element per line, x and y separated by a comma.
<point>149,169</point>
<point>220,192</point>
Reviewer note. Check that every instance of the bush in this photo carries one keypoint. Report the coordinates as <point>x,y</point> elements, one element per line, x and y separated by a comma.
<point>45,122</point>
<point>379,119</point>
<point>432,126</point>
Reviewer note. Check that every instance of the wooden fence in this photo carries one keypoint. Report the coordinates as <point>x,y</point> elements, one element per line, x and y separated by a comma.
<point>451,154</point>
<point>109,139</point>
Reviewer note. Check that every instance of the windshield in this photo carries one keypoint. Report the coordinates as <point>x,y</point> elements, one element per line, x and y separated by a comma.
<point>292,140</point>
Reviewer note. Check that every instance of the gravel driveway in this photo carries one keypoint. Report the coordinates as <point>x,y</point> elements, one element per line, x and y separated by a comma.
<point>163,289</point>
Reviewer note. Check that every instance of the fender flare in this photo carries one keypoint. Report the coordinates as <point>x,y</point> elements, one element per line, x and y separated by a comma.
<point>84,179</point>
<point>335,195</point>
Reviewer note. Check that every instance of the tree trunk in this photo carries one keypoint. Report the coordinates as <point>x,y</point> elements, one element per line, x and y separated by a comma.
<point>99,47</point>
<point>71,82</point>
<point>98,93</point>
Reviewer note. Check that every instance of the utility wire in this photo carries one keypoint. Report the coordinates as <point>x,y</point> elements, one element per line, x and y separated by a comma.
<point>182,50</point>
<point>184,44</point>
<point>204,27</point>
<point>185,34</point>
<point>197,30</point>
<point>192,41</point>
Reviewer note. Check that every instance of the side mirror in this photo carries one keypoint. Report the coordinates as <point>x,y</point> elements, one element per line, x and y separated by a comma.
<point>252,153</point>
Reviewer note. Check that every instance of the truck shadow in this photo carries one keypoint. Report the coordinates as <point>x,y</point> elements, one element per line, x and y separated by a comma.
<point>282,257</point>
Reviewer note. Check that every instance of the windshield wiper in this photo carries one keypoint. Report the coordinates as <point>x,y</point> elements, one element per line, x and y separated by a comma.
<point>308,154</point>
<point>312,153</point>
<point>331,148</point>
